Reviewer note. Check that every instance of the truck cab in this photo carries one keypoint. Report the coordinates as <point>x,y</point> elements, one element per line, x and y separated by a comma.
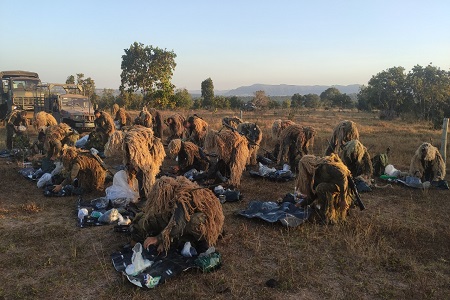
<point>68,104</point>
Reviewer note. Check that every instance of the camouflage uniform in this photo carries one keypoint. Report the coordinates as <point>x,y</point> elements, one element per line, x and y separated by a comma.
<point>104,127</point>
<point>15,119</point>
<point>143,227</point>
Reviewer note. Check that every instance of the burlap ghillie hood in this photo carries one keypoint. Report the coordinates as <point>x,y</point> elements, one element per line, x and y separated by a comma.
<point>91,175</point>
<point>254,137</point>
<point>427,163</point>
<point>42,120</point>
<point>176,128</point>
<point>191,150</point>
<point>145,152</point>
<point>278,126</point>
<point>325,182</point>
<point>344,132</point>
<point>168,193</point>
<point>357,159</point>
<point>60,132</point>
<point>232,148</point>
<point>231,121</point>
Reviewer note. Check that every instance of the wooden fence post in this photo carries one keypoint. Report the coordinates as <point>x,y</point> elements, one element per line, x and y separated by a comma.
<point>444,139</point>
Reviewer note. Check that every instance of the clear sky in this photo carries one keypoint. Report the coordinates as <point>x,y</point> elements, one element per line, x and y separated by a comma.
<point>235,43</point>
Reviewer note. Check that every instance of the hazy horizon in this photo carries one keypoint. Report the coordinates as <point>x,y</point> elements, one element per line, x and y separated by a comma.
<point>237,43</point>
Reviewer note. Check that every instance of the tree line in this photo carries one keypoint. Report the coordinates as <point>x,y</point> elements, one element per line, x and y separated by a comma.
<point>423,92</point>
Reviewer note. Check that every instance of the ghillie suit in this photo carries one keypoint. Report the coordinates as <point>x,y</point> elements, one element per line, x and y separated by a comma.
<point>16,121</point>
<point>294,143</point>
<point>142,152</point>
<point>56,136</point>
<point>121,116</point>
<point>197,129</point>
<point>114,145</point>
<point>232,122</point>
<point>157,121</point>
<point>42,120</point>
<point>176,128</point>
<point>379,162</point>
<point>254,137</point>
<point>82,166</point>
<point>144,119</point>
<point>357,159</point>
<point>104,127</point>
<point>179,209</point>
<point>190,156</point>
<point>277,127</point>
<point>324,180</point>
<point>427,164</point>
<point>232,149</point>
<point>343,132</point>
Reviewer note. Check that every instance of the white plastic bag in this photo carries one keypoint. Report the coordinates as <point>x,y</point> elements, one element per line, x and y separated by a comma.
<point>44,180</point>
<point>138,263</point>
<point>110,216</point>
<point>391,171</point>
<point>81,142</point>
<point>58,168</point>
<point>121,189</point>
<point>264,170</point>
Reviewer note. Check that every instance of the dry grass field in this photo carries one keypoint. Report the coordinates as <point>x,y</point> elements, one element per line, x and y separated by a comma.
<point>398,248</point>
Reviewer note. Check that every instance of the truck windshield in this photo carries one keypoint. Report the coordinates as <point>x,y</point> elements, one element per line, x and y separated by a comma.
<point>24,84</point>
<point>74,102</point>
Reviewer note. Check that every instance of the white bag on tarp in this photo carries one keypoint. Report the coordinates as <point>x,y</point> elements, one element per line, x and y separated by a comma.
<point>44,180</point>
<point>121,189</point>
<point>81,142</point>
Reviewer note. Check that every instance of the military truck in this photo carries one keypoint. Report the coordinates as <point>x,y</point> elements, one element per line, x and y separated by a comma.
<point>68,104</point>
<point>19,91</point>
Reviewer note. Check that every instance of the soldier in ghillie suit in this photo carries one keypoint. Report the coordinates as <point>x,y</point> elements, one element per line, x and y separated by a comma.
<point>157,122</point>
<point>82,166</point>
<point>176,127</point>
<point>144,119</point>
<point>196,129</point>
<point>357,159</point>
<point>254,137</point>
<point>142,153</point>
<point>16,121</point>
<point>379,162</point>
<point>232,154</point>
<point>294,143</point>
<point>231,122</point>
<point>190,156</point>
<point>42,120</point>
<point>56,137</point>
<point>427,164</point>
<point>121,116</point>
<point>277,127</point>
<point>344,132</point>
<point>177,211</point>
<point>325,182</point>
<point>104,128</point>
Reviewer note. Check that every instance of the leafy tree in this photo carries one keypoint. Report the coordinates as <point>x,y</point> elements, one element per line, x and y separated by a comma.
<point>149,70</point>
<point>220,102</point>
<point>363,100</point>
<point>235,102</point>
<point>261,100</point>
<point>343,101</point>
<point>429,91</point>
<point>207,92</point>
<point>274,104</point>
<point>328,95</point>
<point>182,98</point>
<point>107,99</point>
<point>312,101</point>
<point>386,90</point>
<point>286,104</point>
<point>297,101</point>
<point>70,79</point>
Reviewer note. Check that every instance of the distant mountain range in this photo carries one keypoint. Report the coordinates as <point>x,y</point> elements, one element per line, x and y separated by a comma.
<point>282,90</point>
<point>274,90</point>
